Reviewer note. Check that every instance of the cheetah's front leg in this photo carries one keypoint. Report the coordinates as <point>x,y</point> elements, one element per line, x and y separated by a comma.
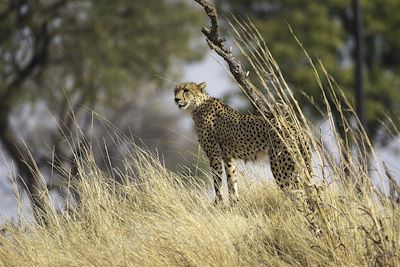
<point>216,165</point>
<point>214,154</point>
<point>230,170</point>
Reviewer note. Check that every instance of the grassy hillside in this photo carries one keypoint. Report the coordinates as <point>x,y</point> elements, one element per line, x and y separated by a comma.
<point>165,219</point>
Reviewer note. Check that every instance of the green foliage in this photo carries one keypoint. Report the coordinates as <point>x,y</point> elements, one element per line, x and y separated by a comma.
<point>325,30</point>
<point>93,48</point>
<point>135,39</point>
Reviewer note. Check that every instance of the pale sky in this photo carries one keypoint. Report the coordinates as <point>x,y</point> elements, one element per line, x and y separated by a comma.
<point>210,70</point>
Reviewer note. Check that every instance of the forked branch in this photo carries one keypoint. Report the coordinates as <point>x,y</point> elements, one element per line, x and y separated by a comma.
<point>216,43</point>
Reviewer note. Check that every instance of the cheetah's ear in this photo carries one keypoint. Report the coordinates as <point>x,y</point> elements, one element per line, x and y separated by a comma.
<point>202,86</point>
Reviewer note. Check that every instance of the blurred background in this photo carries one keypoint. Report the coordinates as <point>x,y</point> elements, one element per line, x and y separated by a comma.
<point>73,68</point>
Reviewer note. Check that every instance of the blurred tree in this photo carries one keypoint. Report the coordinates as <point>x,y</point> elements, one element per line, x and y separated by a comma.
<point>326,30</point>
<point>70,54</point>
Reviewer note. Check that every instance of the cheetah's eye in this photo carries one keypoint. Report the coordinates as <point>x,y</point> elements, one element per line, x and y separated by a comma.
<point>186,90</point>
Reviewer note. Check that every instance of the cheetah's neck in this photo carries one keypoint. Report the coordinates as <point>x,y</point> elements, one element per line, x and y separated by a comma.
<point>201,99</point>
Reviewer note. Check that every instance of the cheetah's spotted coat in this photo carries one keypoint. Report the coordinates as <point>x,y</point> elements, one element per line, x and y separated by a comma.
<point>226,135</point>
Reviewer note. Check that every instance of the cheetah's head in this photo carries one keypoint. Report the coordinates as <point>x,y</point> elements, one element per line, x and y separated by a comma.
<point>189,94</point>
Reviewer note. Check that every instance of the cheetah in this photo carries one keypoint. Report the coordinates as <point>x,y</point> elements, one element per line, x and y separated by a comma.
<point>225,135</point>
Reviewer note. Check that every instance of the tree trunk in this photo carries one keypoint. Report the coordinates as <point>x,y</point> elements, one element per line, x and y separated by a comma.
<point>359,55</point>
<point>30,176</point>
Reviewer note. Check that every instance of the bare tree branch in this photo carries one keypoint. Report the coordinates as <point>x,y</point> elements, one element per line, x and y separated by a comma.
<point>217,44</point>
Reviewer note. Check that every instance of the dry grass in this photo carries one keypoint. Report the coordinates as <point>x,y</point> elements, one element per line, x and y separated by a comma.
<point>165,220</point>
<point>159,218</point>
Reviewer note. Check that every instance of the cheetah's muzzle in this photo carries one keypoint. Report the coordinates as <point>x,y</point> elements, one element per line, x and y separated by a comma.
<point>183,106</point>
